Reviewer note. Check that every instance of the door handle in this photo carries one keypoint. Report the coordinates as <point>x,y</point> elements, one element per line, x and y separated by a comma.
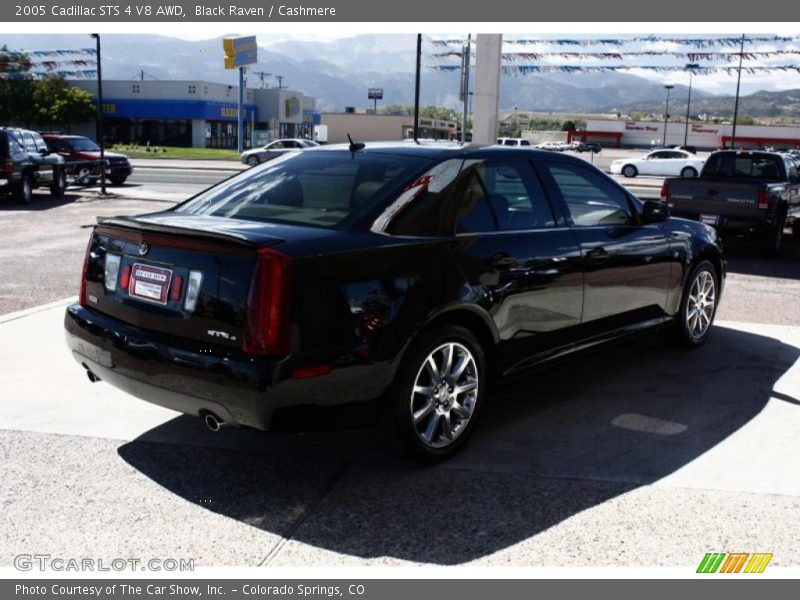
<point>598,254</point>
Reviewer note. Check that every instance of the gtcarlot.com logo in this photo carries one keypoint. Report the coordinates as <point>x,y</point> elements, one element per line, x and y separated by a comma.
<point>47,562</point>
<point>734,562</point>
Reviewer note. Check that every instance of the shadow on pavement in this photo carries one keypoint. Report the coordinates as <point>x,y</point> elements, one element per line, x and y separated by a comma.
<point>41,201</point>
<point>551,445</point>
<point>746,256</point>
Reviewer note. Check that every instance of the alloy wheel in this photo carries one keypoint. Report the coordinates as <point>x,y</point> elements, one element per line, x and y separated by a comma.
<point>444,395</point>
<point>700,305</point>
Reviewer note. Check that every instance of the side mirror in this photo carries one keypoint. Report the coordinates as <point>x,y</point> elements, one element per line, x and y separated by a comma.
<point>44,152</point>
<point>655,211</point>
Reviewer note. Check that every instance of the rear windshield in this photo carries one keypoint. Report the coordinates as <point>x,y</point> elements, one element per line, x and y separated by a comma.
<point>319,188</point>
<point>757,166</point>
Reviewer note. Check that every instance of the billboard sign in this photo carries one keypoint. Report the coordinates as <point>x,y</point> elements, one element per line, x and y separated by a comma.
<point>240,52</point>
<point>375,94</point>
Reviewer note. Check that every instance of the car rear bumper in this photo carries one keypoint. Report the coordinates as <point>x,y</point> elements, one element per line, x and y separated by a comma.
<point>725,223</point>
<point>191,379</point>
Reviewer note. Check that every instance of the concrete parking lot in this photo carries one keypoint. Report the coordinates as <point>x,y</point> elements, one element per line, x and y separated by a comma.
<point>640,454</point>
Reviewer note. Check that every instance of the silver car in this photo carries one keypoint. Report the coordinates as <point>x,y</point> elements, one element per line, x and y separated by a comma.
<point>275,149</point>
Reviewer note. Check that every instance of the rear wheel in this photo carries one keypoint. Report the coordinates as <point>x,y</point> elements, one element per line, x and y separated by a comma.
<point>689,173</point>
<point>59,185</point>
<point>698,305</point>
<point>629,171</point>
<point>774,242</point>
<point>23,193</point>
<point>438,394</point>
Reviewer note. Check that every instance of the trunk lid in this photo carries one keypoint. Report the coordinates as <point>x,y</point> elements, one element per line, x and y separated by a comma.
<point>161,259</point>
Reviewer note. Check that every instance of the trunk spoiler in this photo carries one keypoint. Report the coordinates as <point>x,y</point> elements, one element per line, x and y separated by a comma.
<point>243,233</point>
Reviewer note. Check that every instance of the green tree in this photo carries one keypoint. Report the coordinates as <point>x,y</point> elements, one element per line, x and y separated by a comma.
<point>439,112</point>
<point>16,88</point>
<point>59,104</point>
<point>745,120</point>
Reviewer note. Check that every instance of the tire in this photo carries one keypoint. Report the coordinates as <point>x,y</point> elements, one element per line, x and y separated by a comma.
<point>698,305</point>
<point>118,180</point>
<point>422,403</point>
<point>773,245</point>
<point>23,192</point>
<point>688,172</point>
<point>253,161</point>
<point>629,171</point>
<point>59,185</point>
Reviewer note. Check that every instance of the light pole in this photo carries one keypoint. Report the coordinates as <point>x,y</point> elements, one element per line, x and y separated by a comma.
<point>736,105</point>
<point>690,67</point>
<point>100,132</point>
<point>668,87</point>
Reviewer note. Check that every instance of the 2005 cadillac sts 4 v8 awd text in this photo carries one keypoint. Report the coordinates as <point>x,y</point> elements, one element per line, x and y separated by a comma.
<point>408,275</point>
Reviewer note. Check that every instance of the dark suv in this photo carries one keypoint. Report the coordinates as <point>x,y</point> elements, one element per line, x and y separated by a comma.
<point>28,164</point>
<point>82,157</point>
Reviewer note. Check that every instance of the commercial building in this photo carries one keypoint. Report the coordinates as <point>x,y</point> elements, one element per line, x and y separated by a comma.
<point>376,128</point>
<point>643,134</point>
<point>200,114</point>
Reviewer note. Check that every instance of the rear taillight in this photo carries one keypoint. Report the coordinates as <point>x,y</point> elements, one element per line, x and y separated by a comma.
<point>8,165</point>
<point>266,329</point>
<point>85,273</point>
<point>111,271</point>
<point>664,191</point>
<point>177,289</point>
<point>125,277</point>
<point>763,199</point>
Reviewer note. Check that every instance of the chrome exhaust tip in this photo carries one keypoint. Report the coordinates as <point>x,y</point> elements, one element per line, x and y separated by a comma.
<point>213,422</point>
<point>92,377</point>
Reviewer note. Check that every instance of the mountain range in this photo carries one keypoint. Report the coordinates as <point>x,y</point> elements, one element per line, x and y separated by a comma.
<point>338,73</point>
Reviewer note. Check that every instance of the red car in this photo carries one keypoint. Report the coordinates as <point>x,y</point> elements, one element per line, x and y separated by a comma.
<point>82,157</point>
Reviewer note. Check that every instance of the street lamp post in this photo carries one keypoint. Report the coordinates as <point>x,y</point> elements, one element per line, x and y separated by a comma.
<point>100,132</point>
<point>736,105</point>
<point>690,67</point>
<point>668,87</point>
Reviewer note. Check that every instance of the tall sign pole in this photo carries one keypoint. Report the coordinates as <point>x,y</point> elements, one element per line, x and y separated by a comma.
<point>100,132</point>
<point>240,52</point>
<point>465,88</point>
<point>488,47</point>
<point>736,105</point>
<point>416,87</point>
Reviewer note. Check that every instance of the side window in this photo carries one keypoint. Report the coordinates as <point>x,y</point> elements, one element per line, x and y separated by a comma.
<point>658,155</point>
<point>516,196</point>
<point>591,198</point>
<point>30,143</point>
<point>39,142</point>
<point>524,143</point>
<point>276,146</point>
<point>474,214</point>
<point>15,145</point>
<point>57,145</point>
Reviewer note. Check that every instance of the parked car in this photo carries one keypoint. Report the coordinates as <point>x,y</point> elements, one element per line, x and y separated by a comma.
<point>28,164</point>
<point>401,277</point>
<point>588,147</point>
<point>509,141</point>
<point>668,162</point>
<point>82,158</point>
<point>552,146</point>
<point>742,192</point>
<point>275,149</point>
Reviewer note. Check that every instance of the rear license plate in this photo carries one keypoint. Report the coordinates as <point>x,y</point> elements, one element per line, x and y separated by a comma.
<point>150,283</point>
<point>709,219</point>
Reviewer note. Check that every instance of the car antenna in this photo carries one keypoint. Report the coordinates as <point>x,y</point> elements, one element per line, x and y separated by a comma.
<point>355,146</point>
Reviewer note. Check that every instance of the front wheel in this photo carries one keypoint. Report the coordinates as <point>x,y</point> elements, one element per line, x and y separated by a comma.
<point>117,180</point>
<point>59,185</point>
<point>438,394</point>
<point>698,305</point>
<point>253,161</point>
<point>629,171</point>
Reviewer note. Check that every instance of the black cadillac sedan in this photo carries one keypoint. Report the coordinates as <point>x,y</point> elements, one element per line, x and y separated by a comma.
<point>403,276</point>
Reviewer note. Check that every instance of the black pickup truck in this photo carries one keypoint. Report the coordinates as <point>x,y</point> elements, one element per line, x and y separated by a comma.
<point>741,192</point>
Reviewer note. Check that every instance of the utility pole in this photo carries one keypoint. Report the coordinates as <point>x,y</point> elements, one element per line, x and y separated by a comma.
<point>465,93</point>
<point>416,87</point>
<point>262,75</point>
<point>240,113</point>
<point>736,105</point>
<point>668,87</point>
<point>691,67</point>
<point>280,81</point>
<point>100,132</point>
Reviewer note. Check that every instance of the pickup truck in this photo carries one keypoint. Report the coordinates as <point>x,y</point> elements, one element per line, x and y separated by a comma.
<point>741,192</point>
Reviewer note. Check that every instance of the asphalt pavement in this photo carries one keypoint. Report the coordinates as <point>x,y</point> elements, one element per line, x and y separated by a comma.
<point>641,454</point>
